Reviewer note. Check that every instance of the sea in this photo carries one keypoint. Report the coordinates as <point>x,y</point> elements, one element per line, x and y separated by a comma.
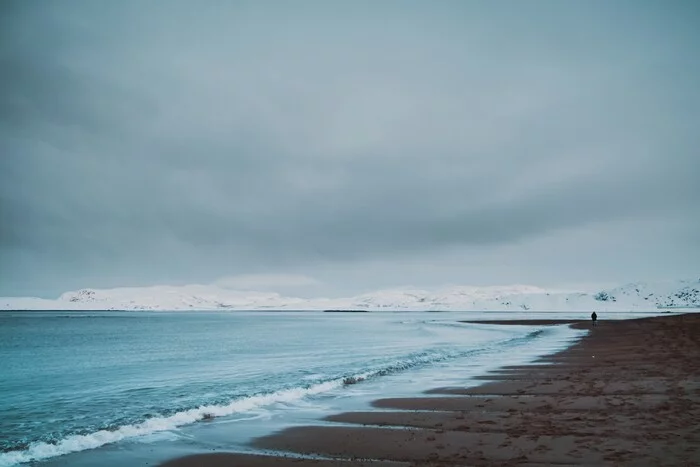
<point>138,388</point>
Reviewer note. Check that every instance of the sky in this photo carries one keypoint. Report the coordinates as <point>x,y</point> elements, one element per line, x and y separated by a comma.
<point>336,147</point>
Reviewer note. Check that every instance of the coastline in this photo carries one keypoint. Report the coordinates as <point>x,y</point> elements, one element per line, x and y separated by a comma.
<point>625,394</point>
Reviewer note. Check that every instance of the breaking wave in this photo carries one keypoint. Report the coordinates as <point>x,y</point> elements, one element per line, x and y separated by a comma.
<point>41,450</point>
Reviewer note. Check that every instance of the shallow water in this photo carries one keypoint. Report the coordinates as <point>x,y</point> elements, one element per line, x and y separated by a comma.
<point>100,384</point>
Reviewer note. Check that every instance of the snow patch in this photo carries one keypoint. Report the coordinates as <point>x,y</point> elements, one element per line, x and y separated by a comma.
<point>639,296</point>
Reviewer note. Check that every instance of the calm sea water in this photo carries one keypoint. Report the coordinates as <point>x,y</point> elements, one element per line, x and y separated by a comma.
<point>75,382</point>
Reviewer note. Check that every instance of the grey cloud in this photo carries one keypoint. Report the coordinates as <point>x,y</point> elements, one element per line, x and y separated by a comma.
<point>181,142</point>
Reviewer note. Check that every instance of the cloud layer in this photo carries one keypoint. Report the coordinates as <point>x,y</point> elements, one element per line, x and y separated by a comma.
<point>363,144</point>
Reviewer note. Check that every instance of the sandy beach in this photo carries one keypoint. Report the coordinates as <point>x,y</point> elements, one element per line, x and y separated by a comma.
<point>628,393</point>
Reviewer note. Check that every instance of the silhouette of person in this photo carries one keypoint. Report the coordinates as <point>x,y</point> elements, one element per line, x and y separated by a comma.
<point>594,317</point>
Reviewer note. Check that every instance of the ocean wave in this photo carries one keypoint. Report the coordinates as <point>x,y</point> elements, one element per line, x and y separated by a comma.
<point>41,450</point>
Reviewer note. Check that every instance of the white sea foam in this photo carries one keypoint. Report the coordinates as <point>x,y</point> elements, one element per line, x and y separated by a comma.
<point>38,451</point>
<point>42,450</point>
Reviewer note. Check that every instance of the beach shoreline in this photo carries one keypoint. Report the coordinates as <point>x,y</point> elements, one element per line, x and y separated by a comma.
<point>625,394</point>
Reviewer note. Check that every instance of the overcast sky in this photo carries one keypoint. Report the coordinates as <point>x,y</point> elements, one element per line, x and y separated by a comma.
<point>334,147</point>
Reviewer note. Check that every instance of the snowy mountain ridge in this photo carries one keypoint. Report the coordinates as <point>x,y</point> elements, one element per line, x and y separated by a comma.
<point>639,296</point>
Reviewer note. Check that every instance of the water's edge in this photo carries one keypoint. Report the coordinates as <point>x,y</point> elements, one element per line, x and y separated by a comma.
<point>231,435</point>
<point>230,424</point>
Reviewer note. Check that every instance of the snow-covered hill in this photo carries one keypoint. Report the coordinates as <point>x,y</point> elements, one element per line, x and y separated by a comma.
<point>637,297</point>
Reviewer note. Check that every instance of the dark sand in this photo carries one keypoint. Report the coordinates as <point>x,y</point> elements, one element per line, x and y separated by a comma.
<point>626,394</point>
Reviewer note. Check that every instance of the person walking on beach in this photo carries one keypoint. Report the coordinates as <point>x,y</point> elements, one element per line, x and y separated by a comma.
<point>594,317</point>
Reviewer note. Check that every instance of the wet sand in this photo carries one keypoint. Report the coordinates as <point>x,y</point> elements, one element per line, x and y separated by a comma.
<point>627,394</point>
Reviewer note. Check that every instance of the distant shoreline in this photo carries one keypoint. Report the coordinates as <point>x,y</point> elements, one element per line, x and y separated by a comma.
<point>522,315</point>
<point>345,311</point>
